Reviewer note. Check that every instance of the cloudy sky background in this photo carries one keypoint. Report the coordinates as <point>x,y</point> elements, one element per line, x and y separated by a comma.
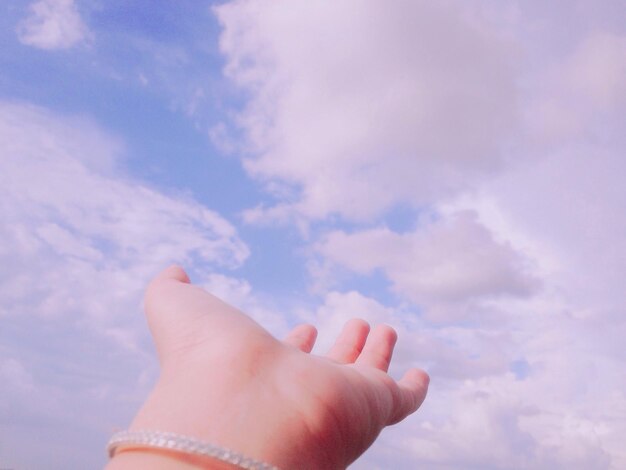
<point>452,168</point>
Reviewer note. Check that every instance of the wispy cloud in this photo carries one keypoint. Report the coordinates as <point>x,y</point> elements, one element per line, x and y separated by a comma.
<point>53,24</point>
<point>80,239</point>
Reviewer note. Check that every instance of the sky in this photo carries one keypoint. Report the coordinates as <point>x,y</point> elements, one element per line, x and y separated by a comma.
<point>453,168</point>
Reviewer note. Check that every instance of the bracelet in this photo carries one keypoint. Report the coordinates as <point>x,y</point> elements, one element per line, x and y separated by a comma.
<point>184,444</point>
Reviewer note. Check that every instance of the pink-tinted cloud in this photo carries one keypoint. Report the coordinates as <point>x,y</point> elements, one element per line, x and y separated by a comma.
<point>512,113</point>
<point>363,105</point>
<point>450,261</point>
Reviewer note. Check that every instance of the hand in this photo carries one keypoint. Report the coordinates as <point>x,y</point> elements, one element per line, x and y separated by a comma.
<point>226,380</point>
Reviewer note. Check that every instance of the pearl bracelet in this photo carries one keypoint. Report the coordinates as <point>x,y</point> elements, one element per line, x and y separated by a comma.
<point>184,444</point>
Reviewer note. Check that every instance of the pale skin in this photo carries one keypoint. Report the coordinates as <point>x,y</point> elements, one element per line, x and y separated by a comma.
<point>225,380</point>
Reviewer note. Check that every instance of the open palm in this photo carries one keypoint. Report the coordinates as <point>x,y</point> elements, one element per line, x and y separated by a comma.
<point>225,379</point>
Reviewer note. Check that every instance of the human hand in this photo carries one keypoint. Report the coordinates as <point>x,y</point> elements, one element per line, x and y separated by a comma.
<point>226,380</point>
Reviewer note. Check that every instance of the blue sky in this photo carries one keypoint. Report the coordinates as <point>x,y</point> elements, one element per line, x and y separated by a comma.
<point>454,169</point>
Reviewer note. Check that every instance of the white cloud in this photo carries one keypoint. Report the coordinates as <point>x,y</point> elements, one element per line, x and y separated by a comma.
<point>597,68</point>
<point>440,266</point>
<point>361,105</point>
<point>582,94</point>
<point>53,24</point>
<point>353,109</point>
<point>562,207</point>
<point>487,426</point>
<point>563,410</point>
<point>573,230</point>
<point>446,352</point>
<point>13,372</point>
<point>74,224</point>
<point>79,241</point>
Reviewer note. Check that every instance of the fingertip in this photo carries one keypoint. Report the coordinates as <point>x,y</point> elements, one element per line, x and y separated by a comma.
<point>413,387</point>
<point>173,272</point>
<point>350,341</point>
<point>390,333</point>
<point>312,329</point>
<point>378,349</point>
<point>357,324</point>
<point>416,378</point>
<point>302,337</point>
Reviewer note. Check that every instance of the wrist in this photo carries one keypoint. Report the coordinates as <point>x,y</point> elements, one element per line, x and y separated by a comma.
<point>182,447</point>
<point>156,459</point>
<point>187,405</point>
<point>259,418</point>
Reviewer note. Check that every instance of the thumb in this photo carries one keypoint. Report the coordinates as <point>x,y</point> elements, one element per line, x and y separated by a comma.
<point>413,387</point>
<point>166,308</point>
<point>182,316</point>
<point>174,273</point>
